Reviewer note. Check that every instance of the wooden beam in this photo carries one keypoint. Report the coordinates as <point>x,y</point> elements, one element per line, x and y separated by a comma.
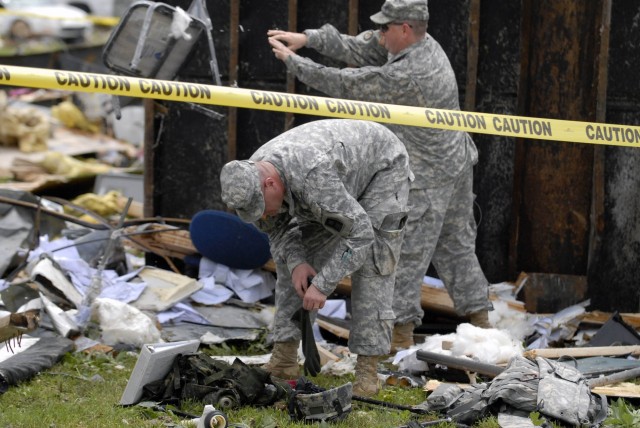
<point>353,17</point>
<point>166,241</point>
<point>519,157</point>
<point>599,317</point>
<point>592,351</point>
<point>232,119</point>
<point>553,224</point>
<point>432,299</point>
<point>335,329</point>
<point>473,44</point>
<point>149,142</point>
<point>326,355</point>
<point>292,25</point>
<point>438,300</point>
<point>596,229</point>
<point>623,389</point>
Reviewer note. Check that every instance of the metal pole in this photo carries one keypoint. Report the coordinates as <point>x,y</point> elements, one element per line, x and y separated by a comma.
<point>460,363</point>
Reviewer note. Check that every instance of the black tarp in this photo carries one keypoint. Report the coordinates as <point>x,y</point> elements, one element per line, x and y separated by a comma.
<point>44,354</point>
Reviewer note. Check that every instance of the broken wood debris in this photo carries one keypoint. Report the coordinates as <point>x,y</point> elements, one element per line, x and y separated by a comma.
<point>162,239</point>
<point>599,317</point>
<point>432,299</point>
<point>583,352</point>
<point>339,331</point>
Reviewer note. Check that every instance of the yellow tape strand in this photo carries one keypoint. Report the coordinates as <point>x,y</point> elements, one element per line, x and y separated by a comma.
<point>482,123</point>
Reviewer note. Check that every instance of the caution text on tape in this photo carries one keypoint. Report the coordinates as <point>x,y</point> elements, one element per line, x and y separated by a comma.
<point>473,122</point>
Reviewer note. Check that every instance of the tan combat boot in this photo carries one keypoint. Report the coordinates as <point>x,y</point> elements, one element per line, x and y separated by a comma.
<point>402,337</point>
<point>283,363</point>
<point>480,319</point>
<point>366,384</point>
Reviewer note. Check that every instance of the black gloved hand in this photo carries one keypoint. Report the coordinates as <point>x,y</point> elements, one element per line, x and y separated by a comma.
<point>312,364</point>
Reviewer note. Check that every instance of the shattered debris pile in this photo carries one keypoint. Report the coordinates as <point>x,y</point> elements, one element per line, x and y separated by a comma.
<point>42,146</point>
<point>25,128</point>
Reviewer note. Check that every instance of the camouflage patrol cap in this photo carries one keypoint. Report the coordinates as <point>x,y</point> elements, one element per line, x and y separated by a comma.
<point>332,405</point>
<point>242,189</point>
<point>402,10</point>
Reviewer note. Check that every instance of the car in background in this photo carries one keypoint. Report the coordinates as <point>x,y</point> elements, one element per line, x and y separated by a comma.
<point>25,19</point>
<point>102,8</point>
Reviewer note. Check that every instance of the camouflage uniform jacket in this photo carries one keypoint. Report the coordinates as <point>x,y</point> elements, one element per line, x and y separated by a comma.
<point>420,75</point>
<point>325,166</point>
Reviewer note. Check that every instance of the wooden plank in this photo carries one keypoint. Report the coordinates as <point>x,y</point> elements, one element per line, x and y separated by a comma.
<point>599,317</point>
<point>553,224</point>
<point>473,44</point>
<point>162,240</point>
<point>344,286</point>
<point>353,17</point>
<point>149,209</point>
<point>593,351</point>
<point>332,328</point>
<point>432,299</point>
<point>292,25</point>
<point>135,209</point>
<point>622,389</point>
<point>597,220</point>
<point>234,43</point>
<point>326,355</point>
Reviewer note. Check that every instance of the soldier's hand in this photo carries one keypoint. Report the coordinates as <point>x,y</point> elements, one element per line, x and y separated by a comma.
<point>313,299</point>
<point>281,51</point>
<point>293,41</point>
<point>300,278</point>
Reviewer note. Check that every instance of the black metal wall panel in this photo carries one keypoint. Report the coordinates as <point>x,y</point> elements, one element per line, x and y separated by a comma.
<point>259,69</point>
<point>448,22</point>
<point>197,67</point>
<point>257,62</point>
<point>189,150</point>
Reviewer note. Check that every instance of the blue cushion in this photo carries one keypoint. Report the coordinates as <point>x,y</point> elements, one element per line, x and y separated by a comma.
<point>225,238</point>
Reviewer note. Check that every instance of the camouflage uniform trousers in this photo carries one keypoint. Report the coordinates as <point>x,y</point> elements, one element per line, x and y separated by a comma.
<point>441,229</point>
<point>372,285</point>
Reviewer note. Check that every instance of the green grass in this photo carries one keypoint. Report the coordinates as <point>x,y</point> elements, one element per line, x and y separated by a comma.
<point>84,391</point>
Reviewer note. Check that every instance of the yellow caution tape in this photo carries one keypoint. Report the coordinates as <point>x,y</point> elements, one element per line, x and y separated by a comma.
<point>107,21</point>
<point>482,123</point>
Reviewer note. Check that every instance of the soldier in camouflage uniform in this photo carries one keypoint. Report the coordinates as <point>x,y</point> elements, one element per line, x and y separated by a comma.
<point>332,196</point>
<point>402,64</point>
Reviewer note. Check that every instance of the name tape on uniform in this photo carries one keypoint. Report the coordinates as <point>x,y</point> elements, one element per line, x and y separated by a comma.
<point>483,123</point>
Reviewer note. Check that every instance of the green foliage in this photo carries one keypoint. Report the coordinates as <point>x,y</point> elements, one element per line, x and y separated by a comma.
<point>622,415</point>
<point>256,347</point>
<point>489,422</point>
<point>537,419</point>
